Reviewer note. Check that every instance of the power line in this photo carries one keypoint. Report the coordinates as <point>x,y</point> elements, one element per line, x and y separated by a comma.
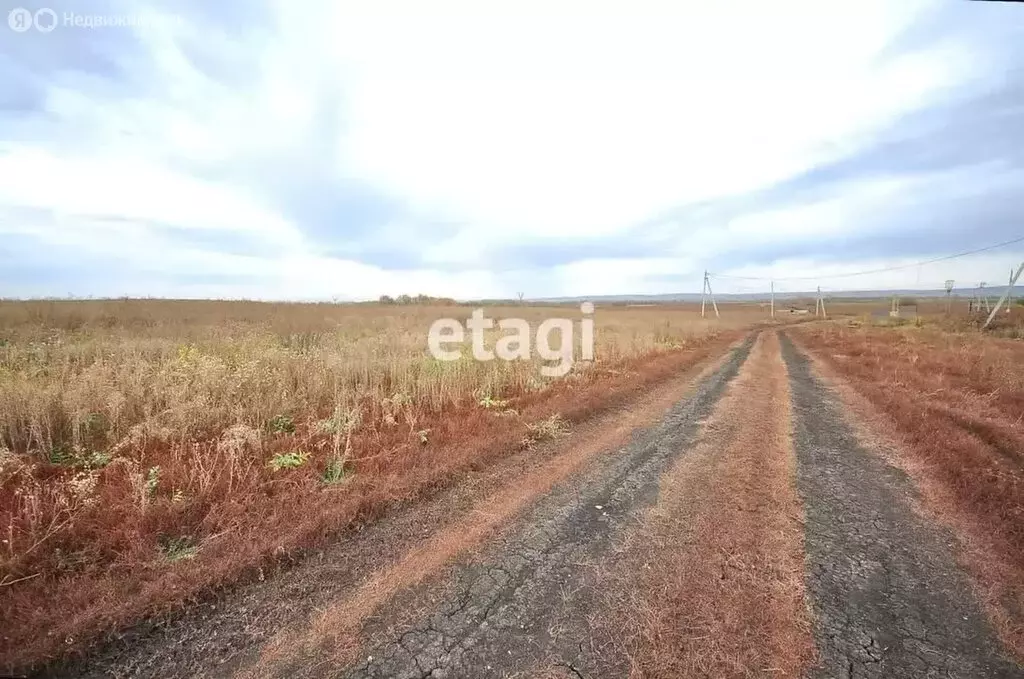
<point>871,271</point>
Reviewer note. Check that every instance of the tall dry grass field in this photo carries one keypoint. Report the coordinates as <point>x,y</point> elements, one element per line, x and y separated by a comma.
<point>152,449</point>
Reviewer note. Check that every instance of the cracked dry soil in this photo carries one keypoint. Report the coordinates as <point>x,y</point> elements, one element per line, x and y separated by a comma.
<point>293,617</point>
<point>526,598</point>
<point>887,595</point>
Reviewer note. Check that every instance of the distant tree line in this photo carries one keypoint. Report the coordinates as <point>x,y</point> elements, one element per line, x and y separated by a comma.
<point>418,299</point>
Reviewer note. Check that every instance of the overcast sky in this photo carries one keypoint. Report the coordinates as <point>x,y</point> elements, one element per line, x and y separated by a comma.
<point>232,148</point>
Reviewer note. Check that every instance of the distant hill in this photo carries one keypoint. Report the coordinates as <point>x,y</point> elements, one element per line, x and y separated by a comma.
<point>992,292</point>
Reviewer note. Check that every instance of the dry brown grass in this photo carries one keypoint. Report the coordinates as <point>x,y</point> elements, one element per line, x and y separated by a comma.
<point>334,633</point>
<point>152,449</point>
<point>711,584</point>
<point>933,313</point>
<point>951,406</point>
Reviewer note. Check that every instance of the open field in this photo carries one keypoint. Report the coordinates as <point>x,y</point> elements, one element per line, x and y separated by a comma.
<point>151,449</point>
<point>1009,322</point>
<point>708,498</point>
<point>742,517</point>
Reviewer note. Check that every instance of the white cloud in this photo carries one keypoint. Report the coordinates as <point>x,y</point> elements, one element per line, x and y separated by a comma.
<point>133,191</point>
<point>558,123</point>
<point>530,123</point>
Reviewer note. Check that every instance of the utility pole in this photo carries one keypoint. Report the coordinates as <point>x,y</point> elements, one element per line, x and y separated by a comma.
<point>773,298</point>
<point>703,293</point>
<point>820,304</point>
<point>1013,281</point>
<point>978,295</point>
<point>949,289</point>
<point>1009,296</point>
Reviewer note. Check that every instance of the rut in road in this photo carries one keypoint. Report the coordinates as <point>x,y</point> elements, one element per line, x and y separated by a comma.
<point>524,600</point>
<point>694,522</point>
<point>888,597</point>
<point>315,609</point>
<point>710,583</point>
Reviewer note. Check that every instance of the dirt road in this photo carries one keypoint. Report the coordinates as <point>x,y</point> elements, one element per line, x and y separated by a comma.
<point>888,597</point>
<point>731,524</point>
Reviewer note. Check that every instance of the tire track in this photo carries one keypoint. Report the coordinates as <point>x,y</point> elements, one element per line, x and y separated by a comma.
<point>888,596</point>
<point>710,583</point>
<point>526,598</point>
<point>323,598</point>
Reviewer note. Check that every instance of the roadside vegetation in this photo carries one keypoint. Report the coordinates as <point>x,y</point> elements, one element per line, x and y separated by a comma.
<point>953,399</point>
<point>150,450</point>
